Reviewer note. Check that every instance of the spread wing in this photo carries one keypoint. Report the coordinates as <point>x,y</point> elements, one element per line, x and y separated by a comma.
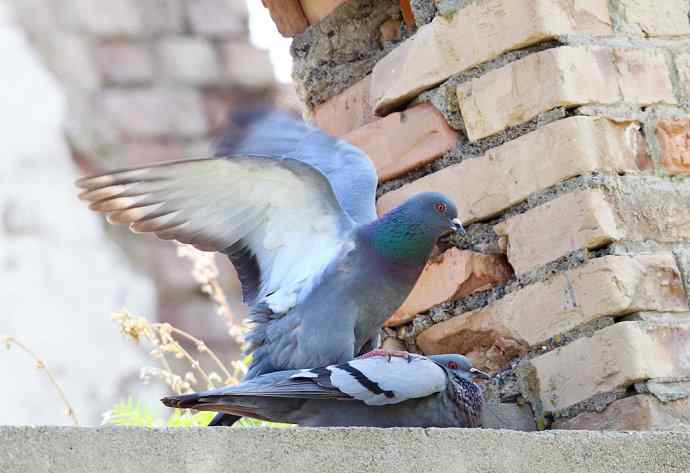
<point>280,215</point>
<point>272,132</point>
<point>376,381</point>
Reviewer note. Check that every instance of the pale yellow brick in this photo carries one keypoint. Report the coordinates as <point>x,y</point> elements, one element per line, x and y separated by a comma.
<point>611,360</point>
<point>475,34</point>
<point>562,77</point>
<point>608,286</point>
<point>652,17</point>
<point>506,175</point>
<point>583,219</point>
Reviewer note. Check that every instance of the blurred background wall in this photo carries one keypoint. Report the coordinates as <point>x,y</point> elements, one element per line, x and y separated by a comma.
<point>87,86</point>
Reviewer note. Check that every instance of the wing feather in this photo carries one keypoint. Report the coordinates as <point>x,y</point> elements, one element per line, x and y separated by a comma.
<point>283,211</point>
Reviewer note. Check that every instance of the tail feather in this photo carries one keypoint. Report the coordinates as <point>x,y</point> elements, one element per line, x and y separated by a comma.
<point>188,401</point>
<point>219,403</point>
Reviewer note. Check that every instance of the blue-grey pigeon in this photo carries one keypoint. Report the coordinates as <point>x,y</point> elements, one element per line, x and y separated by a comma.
<point>294,209</point>
<point>374,391</point>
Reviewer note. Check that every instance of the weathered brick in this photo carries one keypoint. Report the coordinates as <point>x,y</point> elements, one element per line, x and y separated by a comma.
<point>163,16</point>
<point>455,274</point>
<point>405,140</point>
<point>288,16</point>
<point>69,56</point>
<point>346,111</point>
<point>217,18</point>
<point>582,219</point>
<point>123,62</point>
<point>149,151</point>
<point>652,208</point>
<point>641,412</point>
<point>609,361</point>
<point>476,34</point>
<point>562,77</point>
<point>105,19</point>
<point>247,66</point>
<point>631,209</point>
<point>608,286</point>
<point>150,113</point>
<point>673,137</point>
<point>508,174</point>
<point>188,60</point>
<point>316,10</point>
<point>683,67</point>
<point>652,17</point>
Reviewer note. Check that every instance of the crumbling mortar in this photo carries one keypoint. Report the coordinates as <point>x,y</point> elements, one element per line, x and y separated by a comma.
<point>343,48</point>
<point>620,113</point>
<point>466,149</point>
<point>625,42</point>
<point>481,237</point>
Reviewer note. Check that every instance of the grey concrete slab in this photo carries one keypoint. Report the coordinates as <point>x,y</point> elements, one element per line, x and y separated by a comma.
<point>201,450</point>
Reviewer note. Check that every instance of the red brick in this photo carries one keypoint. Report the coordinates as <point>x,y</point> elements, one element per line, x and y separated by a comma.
<point>346,111</point>
<point>406,140</point>
<point>317,10</point>
<point>674,144</point>
<point>455,274</point>
<point>288,16</point>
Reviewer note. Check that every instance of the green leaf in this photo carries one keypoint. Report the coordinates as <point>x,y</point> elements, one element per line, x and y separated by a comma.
<point>130,413</point>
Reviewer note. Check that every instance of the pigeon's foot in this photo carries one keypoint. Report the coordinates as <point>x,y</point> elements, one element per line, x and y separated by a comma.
<point>387,353</point>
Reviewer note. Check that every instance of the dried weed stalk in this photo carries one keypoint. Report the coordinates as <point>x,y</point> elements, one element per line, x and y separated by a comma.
<point>40,364</point>
<point>205,272</point>
<point>165,341</point>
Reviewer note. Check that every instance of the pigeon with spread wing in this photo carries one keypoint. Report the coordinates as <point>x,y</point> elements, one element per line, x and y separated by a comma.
<point>294,210</point>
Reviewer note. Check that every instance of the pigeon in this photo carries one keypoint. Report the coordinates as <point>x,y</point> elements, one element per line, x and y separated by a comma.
<point>294,210</point>
<point>375,390</point>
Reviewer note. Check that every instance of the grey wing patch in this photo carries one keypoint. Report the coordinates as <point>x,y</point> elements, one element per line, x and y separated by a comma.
<point>272,132</point>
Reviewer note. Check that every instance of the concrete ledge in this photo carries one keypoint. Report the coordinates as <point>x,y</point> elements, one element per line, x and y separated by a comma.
<point>200,450</point>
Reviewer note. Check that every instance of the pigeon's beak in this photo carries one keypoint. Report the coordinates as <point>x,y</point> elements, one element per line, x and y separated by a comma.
<point>457,227</point>
<point>480,374</point>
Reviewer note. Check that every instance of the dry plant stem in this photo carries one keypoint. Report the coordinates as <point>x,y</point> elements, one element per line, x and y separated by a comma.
<point>201,346</point>
<point>205,272</point>
<point>40,364</point>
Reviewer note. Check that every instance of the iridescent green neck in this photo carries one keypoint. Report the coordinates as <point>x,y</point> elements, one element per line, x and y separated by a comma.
<point>397,238</point>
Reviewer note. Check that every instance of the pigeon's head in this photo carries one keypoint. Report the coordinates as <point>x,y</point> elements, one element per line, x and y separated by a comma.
<point>460,366</point>
<point>411,230</point>
<point>435,212</point>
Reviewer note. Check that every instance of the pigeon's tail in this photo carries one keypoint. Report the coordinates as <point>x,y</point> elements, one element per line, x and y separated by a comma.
<point>226,404</point>
<point>189,401</point>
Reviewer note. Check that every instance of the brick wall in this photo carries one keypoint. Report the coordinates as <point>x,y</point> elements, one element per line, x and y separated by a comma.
<point>147,81</point>
<point>562,131</point>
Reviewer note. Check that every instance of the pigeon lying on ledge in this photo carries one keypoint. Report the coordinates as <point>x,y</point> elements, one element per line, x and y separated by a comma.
<point>375,390</point>
<point>294,210</point>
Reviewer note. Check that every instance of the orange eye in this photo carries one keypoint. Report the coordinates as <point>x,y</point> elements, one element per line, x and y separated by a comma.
<point>452,365</point>
<point>440,207</point>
